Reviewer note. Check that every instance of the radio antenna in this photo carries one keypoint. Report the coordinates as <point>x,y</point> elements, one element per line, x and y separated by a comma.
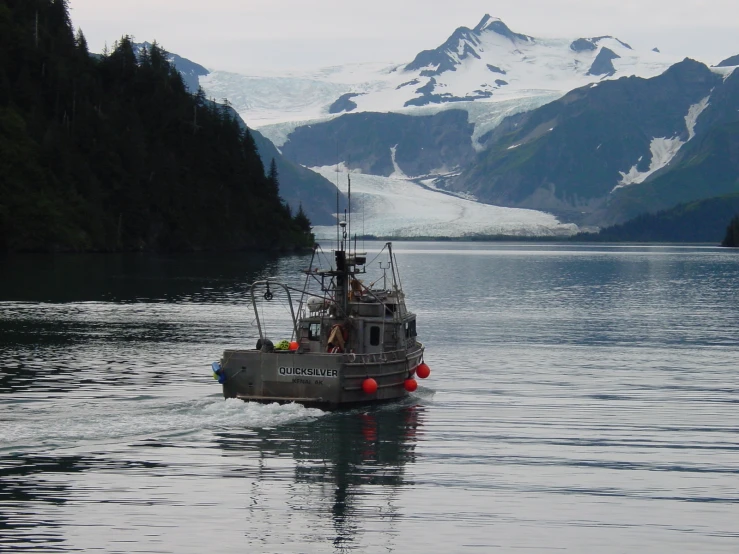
<point>337,195</point>
<point>349,200</point>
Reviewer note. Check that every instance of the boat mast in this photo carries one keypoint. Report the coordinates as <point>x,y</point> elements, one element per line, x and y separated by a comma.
<point>338,218</point>
<point>341,296</point>
<point>349,200</point>
<point>305,285</point>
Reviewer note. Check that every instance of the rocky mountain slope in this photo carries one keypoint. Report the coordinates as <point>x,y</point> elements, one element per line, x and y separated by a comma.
<point>386,144</point>
<point>299,186</point>
<point>606,152</point>
<point>587,128</point>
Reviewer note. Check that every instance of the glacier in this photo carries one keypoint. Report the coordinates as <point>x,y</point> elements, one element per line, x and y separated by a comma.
<point>489,72</point>
<point>398,206</point>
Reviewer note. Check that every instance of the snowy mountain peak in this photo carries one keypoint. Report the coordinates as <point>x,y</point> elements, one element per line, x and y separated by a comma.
<point>496,25</point>
<point>464,44</point>
<point>486,20</point>
<point>444,58</point>
<point>603,63</point>
<point>586,44</point>
<point>499,70</point>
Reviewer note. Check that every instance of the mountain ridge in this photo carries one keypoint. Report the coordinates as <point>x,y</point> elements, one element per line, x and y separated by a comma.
<point>591,155</point>
<point>491,72</point>
<point>466,67</point>
<point>299,186</point>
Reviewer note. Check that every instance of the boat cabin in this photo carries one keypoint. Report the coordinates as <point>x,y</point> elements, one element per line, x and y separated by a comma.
<point>377,321</point>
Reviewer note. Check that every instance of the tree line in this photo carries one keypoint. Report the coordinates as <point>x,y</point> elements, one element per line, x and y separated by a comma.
<point>112,153</point>
<point>731,239</point>
<point>698,221</point>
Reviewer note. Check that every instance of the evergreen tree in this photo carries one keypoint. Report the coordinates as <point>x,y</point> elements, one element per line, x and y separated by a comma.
<point>112,153</point>
<point>302,221</point>
<point>273,176</point>
<point>732,233</point>
<point>200,98</point>
<point>81,43</point>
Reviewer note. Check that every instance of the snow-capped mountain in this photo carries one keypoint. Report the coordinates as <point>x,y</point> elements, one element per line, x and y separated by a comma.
<point>599,155</point>
<point>486,65</point>
<point>544,124</point>
<point>386,202</point>
<point>491,61</point>
<point>609,151</point>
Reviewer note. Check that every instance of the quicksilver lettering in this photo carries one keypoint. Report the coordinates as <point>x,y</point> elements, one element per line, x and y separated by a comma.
<point>309,372</point>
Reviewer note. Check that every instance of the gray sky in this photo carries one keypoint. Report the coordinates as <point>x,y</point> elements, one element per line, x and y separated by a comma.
<point>246,35</point>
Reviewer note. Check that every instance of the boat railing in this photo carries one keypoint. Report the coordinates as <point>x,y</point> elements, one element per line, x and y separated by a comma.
<point>269,295</point>
<point>378,357</point>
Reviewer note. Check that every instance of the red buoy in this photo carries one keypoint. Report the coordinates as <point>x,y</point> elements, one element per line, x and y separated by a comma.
<point>293,345</point>
<point>369,385</point>
<point>423,371</point>
<point>410,385</point>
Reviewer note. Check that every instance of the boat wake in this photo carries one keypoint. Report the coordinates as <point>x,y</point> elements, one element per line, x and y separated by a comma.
<point>31,427</point>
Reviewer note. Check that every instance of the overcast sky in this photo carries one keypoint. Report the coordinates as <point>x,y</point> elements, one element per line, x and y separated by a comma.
<point>247,35</point>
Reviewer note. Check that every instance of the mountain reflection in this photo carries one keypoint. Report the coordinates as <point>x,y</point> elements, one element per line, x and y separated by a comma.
<point>137,277</point>
<point>342,457</point>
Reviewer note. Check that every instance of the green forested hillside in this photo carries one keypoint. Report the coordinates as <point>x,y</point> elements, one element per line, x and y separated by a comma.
<point>731,239</point>
<point>699,221</point>
<point>112,153</point>
<point>709,166</point>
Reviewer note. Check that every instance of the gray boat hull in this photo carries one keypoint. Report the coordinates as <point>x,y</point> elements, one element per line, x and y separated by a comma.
<point>326,381</point>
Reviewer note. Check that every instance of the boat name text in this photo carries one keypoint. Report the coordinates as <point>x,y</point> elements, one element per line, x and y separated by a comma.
<point>309,372</point>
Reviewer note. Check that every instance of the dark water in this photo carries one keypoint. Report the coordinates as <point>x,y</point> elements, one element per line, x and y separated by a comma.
<point>583,399</point>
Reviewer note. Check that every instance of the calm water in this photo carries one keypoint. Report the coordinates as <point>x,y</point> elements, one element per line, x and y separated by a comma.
<point>583,399</point>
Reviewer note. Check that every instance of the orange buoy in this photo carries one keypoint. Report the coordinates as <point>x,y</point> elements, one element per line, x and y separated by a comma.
<point>423,371</point>
<point>369,385</point>
<point>410,385</point>
<point>293,345</point>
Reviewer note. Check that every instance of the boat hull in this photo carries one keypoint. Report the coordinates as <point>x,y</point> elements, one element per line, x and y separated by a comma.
<point>326,381</point>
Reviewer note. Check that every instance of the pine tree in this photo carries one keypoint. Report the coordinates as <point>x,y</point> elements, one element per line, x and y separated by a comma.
<point>81,43</point>
<point>302,221</point>
<point>113,153</point>
<point>200,98</point>
<point>732,233</point>
<point>273,177</point>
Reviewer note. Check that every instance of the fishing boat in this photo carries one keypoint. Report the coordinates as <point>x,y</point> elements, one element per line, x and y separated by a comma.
<point>353,341</point>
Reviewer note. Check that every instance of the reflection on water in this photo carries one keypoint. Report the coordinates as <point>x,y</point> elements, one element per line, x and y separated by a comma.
<point>133,277</point>
<point>340,460</point>
<point>581,399</point>
<point>337,456</point>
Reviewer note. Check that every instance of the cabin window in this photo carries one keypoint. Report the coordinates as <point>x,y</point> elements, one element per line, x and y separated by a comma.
<point>374,335</point>
<point>314,331</point>
<point>410,331</point>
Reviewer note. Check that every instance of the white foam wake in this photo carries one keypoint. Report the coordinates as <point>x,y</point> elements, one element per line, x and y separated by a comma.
<point>33,425</point>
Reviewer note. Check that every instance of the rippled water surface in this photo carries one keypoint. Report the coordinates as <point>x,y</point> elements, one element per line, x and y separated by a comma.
<point>583,399</point>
